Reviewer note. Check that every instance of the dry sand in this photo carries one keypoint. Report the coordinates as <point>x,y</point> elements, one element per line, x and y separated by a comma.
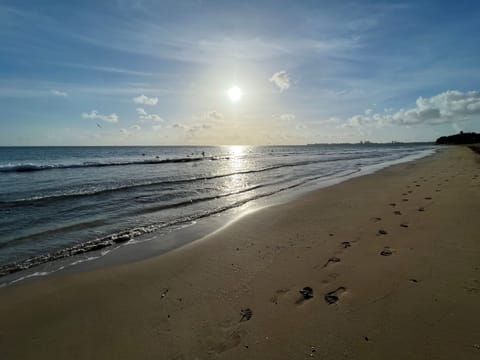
<point>421,302</point>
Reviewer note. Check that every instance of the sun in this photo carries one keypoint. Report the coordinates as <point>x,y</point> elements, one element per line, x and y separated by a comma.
<point>234,93</point>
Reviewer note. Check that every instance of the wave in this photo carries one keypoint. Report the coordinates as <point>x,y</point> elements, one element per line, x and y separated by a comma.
<point>56,197</point>
<point>128,235</point>
<point>34,167</point>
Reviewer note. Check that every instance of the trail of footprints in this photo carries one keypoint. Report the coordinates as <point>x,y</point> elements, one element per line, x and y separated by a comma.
<point>235,334</point>
<point>333,296</point>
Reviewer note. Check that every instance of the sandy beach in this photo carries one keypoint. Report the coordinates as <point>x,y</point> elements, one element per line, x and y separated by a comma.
<point>389,264</point>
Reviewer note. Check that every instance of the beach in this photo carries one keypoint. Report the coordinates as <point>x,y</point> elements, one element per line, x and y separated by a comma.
<point>388,265</point>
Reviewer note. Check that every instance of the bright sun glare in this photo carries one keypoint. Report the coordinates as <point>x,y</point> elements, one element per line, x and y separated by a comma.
<point>234,93</point>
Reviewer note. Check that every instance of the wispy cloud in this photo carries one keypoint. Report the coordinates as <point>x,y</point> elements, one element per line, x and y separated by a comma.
<point>108,69</point>
<point>176,42</point>
<point>58,93</point>
<point>281,79</point>
<point>213,115</point>
<point>145,100</point>
<point>212,119</point>
<point>180,126</point>
<point>112,118</point>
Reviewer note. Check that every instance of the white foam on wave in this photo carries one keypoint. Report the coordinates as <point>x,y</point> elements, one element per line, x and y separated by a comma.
<point>35,274</point>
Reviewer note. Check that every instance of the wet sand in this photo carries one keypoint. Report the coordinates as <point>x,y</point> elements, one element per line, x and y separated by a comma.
<point>389,265</point>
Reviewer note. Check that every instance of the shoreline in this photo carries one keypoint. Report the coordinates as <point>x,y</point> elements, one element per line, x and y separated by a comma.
<point>110,250</point>
<point>416,300</point>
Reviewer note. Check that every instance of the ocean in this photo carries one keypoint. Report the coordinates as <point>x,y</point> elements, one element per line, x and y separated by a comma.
<point>65,202</point>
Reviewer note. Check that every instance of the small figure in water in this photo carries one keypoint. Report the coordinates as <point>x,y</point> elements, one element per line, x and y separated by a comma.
<point>203,153</point>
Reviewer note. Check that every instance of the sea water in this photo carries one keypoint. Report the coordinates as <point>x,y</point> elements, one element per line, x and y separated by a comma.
<point>57,202</point>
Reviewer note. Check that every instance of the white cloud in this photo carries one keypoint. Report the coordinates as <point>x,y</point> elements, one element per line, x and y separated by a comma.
<point>156,127</point>
<point>59,93</point>
<point>124,131</point>
<point>141,111</point>
<point>287,117</point>
<point>214,115</point>
<point>136,127</point>
<point>112,118</point>
<point>151,117</point>
<point>145,116</point>
<point>281,79</point>
<point>145,100</point>
<point>448,107</point>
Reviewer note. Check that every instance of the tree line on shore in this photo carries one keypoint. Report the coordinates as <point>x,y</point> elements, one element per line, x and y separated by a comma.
<point>459,139</point>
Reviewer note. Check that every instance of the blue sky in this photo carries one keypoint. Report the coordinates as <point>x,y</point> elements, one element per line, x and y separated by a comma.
<point>157,72</point>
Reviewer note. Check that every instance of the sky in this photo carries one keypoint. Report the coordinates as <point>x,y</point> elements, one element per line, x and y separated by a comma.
<point>198,72</point>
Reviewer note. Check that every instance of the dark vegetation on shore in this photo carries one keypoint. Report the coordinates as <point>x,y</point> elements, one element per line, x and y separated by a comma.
<point>475,148</point>
<point>459,139</point>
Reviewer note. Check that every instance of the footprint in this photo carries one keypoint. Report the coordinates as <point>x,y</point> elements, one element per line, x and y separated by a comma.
<point>227,339</point>
<point>428,198</point>
<point>409,191</point>
<point>397,212</point>
<point>345,244</point>
<point>307,292</point>
<point>333,259</point>
<point>382,232</point>
<point>421,209</point>
<point>386,251</point>
<point>279,293</point>
<point>404,225</point>
<point>246,314</point>
<point>377,219</point>
<point>418,185</point>
<point>333,296</point>
<point>404,199</point>
<point>392,204</point>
